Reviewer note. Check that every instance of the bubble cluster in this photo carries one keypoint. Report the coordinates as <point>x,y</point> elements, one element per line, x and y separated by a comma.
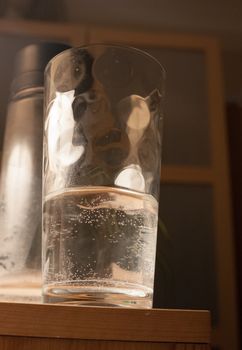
<point>100,236</point>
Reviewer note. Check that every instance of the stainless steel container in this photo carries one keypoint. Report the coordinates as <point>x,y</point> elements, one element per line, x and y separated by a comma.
<point>21,173</point>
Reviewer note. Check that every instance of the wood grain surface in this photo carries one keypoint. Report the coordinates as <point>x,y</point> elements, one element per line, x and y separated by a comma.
<point>25,343</point>
<point>60,321</point>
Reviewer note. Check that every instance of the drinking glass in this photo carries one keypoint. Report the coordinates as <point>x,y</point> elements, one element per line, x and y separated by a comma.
<point>101,176</point>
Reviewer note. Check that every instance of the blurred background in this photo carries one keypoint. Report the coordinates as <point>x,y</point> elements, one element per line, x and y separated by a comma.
<point>200,256</point>
<point>219,17</point>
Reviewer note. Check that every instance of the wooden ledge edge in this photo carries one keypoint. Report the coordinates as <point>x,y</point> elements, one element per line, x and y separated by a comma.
<point>80,322</point>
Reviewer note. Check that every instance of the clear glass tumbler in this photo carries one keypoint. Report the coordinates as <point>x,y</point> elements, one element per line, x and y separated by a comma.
<point>102,151</point>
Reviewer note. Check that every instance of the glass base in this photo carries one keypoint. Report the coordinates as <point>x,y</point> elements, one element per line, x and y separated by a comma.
<point>96,293</point>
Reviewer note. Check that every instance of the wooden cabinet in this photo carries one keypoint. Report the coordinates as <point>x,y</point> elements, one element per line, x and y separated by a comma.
<point>196,258</point>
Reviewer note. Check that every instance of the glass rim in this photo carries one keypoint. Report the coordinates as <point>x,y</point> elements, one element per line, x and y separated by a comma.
<point>117,46</point>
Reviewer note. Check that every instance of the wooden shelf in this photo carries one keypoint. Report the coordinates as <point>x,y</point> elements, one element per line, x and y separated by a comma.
<point>186,175</point>
<point>100,328</point>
